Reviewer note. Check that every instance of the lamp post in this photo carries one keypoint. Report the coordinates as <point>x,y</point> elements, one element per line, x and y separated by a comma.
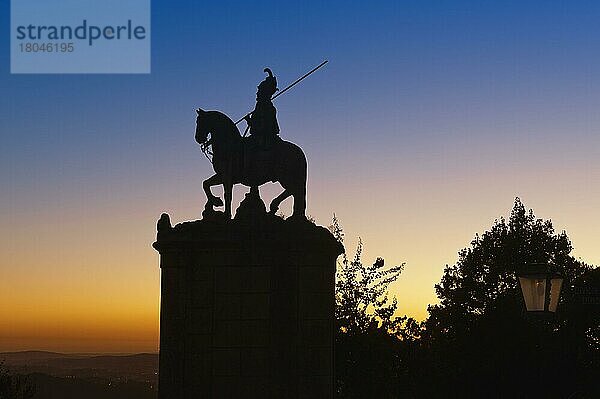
<point>540,287</point>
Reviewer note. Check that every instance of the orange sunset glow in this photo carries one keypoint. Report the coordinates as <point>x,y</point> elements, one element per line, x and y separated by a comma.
<point>420,131</point>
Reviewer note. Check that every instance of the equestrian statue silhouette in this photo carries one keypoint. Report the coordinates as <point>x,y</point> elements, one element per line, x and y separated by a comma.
<point>254,160</point>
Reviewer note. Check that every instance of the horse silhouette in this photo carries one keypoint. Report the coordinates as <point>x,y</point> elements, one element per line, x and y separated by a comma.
<point>238,159</point>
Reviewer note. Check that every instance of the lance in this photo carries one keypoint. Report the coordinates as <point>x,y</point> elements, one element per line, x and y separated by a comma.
<point>301,78</point>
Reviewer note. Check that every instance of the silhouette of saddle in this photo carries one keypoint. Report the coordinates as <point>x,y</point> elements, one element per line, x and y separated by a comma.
<point>258,159</point>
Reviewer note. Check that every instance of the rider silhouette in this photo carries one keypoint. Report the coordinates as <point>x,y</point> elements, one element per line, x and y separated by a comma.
<point>263,120</point>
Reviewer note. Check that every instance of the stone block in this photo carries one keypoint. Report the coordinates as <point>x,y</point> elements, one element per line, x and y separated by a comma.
<point>228,306</point>
<point>316,332</point>
<point>306,256</point>
<point>228,279</point>
<point>201,294</point>
<point>227,362</point>
<point>173,281</point>
<point>311,387</point>
<point>228,333</point>
<point>201,272</point>
<point>197,388</point>
<point>255,279</point>
<point>316,305</point>
<point>263,258</point>
<point>198,368</point>
<point>220,257</point>
<point>315,361</point>
<point>255,387</point>
<point>255,306</point>
<point>200,322</point>
<point>315,279</point>
<point>227,387</point>
<point>254,333</point>
<point>255,361</point>
<point>170,259</point>
<point>198,344</point>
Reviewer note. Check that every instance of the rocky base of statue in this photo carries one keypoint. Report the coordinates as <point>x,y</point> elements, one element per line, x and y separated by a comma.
<point>209,213</point>
<point>247,307</point>
<point>212,215</point>
<point>251,207</point>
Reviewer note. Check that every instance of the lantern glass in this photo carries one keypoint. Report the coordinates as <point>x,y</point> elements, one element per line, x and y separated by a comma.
<point>534,293</point>
<point>555,286</point>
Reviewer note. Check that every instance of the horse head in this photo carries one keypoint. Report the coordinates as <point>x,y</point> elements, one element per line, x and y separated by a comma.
<point>202,128</point>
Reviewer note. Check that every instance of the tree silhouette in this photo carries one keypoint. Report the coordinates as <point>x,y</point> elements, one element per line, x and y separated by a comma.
<point>362,291</point>
<point>14,387</point>
<point>479,328</point>
<point>369,345</point>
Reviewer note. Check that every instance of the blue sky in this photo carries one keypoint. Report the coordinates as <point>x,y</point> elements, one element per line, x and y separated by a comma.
<point>427,122</point>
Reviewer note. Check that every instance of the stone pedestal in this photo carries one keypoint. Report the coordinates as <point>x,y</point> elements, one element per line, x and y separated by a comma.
<point>247,309</point>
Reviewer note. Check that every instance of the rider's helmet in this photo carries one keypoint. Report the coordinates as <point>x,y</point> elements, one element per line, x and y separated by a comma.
<point>267,87</point>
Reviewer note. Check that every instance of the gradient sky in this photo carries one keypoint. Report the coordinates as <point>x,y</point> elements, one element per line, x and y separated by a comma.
<point>427,122</point>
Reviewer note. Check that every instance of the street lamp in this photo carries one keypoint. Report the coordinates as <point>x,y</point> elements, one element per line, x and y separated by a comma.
<point>540,287</point>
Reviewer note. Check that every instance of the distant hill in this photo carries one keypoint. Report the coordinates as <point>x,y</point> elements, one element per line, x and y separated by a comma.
<point>142,362</point>
<point>24,356</point>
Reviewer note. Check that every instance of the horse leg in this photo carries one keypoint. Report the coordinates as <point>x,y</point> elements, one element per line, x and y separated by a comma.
<point>212,200</point>
<point>274,206</point>
<point>228,191</point>
<point>300,203</point>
